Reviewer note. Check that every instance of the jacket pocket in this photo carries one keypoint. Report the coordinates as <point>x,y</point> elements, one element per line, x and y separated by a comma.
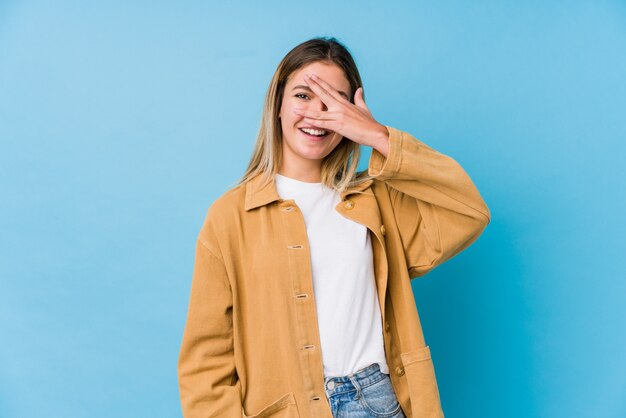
<point>283,407</point>
<point>422,383</point>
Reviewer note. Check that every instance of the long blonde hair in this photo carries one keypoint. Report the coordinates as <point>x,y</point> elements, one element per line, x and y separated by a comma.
<point>339,168</point>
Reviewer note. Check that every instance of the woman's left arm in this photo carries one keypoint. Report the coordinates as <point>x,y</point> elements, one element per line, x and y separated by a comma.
<point>437,207</point>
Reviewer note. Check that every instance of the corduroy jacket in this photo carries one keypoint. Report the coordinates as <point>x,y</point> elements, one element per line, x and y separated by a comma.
<point>251,344</point>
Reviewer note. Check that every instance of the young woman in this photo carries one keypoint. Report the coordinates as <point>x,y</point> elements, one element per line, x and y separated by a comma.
<point>301,303</point>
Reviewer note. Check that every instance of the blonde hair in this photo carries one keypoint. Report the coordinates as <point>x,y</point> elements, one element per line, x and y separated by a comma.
<point>339,168</point>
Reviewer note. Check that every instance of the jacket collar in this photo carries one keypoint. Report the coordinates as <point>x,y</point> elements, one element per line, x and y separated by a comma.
<point>259,195</point>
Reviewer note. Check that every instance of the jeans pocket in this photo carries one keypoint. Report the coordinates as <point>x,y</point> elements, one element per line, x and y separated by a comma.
<point>379,399</point>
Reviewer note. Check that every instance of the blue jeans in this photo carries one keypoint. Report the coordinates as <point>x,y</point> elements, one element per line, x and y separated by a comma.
<point>364,393</point>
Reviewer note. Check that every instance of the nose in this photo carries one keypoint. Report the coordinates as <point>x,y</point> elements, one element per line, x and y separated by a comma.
<point>318,105</point>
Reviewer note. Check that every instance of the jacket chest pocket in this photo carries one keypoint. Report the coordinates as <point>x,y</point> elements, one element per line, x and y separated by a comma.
<point>420,375</point>
<point>283,407</point>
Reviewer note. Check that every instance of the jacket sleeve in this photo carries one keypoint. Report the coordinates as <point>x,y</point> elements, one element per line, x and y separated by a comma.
<point>207,379</point>
<point>438,210</point>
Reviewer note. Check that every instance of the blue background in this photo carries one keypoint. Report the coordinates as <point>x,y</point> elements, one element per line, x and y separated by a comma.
<point>120,124</point>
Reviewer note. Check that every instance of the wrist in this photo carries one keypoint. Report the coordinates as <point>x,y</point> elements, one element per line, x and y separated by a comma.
<point>382,141</point>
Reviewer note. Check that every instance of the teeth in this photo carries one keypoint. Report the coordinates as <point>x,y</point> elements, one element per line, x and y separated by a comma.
<point>314,131</point>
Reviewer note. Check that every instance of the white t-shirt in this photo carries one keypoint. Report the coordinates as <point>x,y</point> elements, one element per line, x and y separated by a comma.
<point>349,317</point>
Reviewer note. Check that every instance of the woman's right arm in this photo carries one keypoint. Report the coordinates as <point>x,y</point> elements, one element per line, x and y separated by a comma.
<point>207,376</point>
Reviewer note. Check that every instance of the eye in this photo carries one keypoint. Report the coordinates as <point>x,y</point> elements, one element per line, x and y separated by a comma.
<point>301,94</point>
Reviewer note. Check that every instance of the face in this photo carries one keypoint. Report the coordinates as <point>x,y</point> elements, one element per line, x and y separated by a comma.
<point>297,145</point>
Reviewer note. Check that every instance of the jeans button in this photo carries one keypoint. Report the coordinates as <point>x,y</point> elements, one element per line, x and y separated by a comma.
<point>330,385</point>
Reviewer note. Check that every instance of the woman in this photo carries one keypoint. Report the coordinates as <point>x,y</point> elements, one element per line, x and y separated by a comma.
<point>301,303</point>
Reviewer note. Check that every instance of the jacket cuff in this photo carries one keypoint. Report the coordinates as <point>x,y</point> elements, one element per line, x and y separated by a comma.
<point>383,168</point>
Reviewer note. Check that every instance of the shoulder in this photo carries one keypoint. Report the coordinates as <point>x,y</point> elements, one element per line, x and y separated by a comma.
<point>222,215</point>
<point>228,203</point>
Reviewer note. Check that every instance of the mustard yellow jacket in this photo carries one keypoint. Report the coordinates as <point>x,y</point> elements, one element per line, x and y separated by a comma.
<point>251,344</point>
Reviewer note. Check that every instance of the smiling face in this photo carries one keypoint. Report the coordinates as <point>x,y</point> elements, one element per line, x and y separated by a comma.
<point>302,152</point>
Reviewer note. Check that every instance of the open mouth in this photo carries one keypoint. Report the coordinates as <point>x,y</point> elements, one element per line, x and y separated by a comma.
<point>315,134</point>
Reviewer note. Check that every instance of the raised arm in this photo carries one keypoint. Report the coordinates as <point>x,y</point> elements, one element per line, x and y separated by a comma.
<point>437,207</point>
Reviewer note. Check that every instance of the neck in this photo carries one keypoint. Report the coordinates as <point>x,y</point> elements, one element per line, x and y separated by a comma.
<point>309,171</point>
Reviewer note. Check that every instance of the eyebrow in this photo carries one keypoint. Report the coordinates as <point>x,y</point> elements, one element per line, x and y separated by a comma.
<point>309,89</point>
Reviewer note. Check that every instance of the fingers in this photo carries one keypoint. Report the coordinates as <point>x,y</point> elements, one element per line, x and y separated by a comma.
<point>323,89</point>
<point>316,115</point>
<point>322,120</point>
<point>359,101</point>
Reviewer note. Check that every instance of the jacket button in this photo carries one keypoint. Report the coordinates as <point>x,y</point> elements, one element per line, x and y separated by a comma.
<point>349,204</point>
<point>386,325</point>
<point>399,371</point>
<point>383,230</point>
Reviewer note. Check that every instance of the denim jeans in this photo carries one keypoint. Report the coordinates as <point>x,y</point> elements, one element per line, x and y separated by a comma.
<point>364,393</point>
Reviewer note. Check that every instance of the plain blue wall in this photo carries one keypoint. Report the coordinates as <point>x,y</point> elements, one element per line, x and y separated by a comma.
<point>121,123</point>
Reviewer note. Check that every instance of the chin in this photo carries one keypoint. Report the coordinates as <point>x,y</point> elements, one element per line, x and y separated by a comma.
<point>313,155</point>
<point>307,150</point>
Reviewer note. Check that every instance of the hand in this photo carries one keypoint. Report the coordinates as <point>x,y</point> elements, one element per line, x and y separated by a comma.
<point>352,121</point>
